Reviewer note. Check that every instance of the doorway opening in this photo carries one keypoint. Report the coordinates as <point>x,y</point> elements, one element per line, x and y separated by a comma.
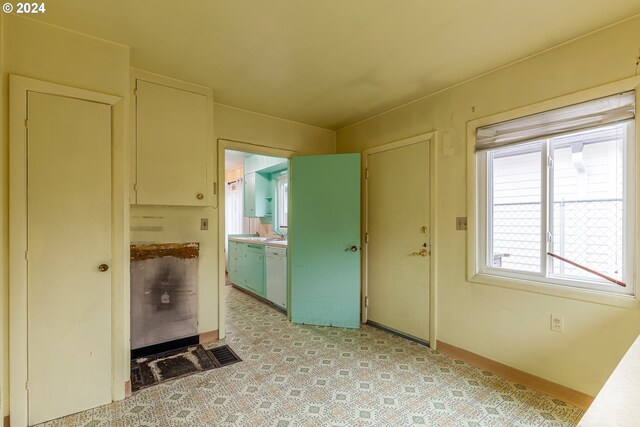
<point>322,230</point>
<point>256,217</point>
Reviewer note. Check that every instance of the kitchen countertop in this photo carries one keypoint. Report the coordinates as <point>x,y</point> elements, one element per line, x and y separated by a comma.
<point>266,241</point>
<point>618,403</point>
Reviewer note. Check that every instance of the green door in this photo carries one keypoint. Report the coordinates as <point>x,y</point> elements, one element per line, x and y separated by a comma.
<point>325,240</point>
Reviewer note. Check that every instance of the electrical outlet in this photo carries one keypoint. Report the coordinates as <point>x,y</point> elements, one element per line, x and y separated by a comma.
<point>557,323</point>
<point>461,223</point>
<point>204,223</point>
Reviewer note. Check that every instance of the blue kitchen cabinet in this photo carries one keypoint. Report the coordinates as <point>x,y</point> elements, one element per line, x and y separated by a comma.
<point>264,164</point>
<point>254,269</point>
<point>247,267</point>
<point>256,195</point>
<point>236,263</point>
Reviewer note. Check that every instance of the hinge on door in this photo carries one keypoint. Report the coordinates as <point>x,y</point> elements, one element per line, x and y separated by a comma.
<point>26,123</point>
<point>215,188</point>
<point>366,174</point>
<point>26,255</point>
<point>26,385</point>
<point>366,302</point>
<point>550,161</point>
<point>135,186</point>
<point>549,237</point>
<point>366,237</point>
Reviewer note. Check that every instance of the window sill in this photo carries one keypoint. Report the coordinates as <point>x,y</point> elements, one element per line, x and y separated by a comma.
<point>587,295</point>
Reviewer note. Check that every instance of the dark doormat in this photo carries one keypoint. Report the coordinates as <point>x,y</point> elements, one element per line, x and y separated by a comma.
<point>151,370</point>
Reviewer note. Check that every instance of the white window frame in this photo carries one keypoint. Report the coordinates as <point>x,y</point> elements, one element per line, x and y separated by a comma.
<point>478,241</point>
<point>280,181</point>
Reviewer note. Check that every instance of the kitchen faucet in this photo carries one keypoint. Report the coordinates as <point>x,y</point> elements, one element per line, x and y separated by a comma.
<point>281,235</point>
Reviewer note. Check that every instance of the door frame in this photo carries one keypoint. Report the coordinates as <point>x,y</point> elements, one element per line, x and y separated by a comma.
<point>431,140</point>
<point>18,350</point>
<point>248,147</point>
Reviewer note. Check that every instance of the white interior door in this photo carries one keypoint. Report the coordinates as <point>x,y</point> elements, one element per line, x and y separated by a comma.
<point>69,237</point>
<point>398,252</point>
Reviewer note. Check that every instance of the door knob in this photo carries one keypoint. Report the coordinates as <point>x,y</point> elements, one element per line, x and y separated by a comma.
<point>199,196</point>
<point>103,267</point>
<point>352,249</point>
<point>422,253</point>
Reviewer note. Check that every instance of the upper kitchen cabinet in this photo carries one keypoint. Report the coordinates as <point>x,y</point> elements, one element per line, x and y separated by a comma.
<point>174,162</point>
<point>256,195</point>
<point>264,164</point>
<point>258,184</point>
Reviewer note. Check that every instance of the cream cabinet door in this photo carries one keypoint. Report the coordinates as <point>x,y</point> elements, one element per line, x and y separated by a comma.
<point>171,146</point>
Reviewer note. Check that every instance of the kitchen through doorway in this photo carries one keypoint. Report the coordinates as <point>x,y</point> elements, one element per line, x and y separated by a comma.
<point>256,194</point>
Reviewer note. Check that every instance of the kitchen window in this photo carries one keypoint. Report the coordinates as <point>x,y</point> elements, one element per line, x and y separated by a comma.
<point>555,200</point>
<point>282,215</point>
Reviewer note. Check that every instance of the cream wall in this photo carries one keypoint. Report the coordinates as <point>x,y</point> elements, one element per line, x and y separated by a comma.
<point>177,224</point>
<point>507,325</point>
<point>245,126</point>
<point>49,53</point>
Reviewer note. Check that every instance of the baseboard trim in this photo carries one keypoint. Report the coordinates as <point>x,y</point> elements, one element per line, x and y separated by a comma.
<point>127,389</point>
<point>6,422</point>
<point>566,394</point>
<point>210,336</point>
<point>398,333</point>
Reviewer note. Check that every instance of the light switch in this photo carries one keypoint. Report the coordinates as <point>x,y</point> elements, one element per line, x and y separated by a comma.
<point>204,223</point>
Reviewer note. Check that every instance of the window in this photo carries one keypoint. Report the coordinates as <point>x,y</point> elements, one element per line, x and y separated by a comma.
<point>556,196</point>
<point>283,201</point>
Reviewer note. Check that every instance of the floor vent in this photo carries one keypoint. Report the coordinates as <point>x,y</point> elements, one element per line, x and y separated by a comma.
<point>223,356</point>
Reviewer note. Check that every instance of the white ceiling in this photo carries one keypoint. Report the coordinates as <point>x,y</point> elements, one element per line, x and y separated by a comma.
<point>331,63</point>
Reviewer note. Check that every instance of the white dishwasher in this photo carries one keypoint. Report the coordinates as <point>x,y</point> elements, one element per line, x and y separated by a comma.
<point>277,275</point>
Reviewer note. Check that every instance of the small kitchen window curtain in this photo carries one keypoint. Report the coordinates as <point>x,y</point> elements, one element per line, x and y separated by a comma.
<point>596,113</point>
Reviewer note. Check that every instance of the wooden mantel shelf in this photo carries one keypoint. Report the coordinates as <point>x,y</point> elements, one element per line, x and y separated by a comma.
<point>618,403</point>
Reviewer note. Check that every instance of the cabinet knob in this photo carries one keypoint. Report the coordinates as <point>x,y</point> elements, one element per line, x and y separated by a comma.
<point>200,196</point>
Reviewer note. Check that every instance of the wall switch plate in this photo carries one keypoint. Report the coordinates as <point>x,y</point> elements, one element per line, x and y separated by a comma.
<point>557,323</point>
<point>204,223</point>
<point>461,223</point>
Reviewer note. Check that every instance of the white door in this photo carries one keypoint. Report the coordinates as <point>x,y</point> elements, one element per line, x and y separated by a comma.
<point>398,249</point>
<point>69,237</point>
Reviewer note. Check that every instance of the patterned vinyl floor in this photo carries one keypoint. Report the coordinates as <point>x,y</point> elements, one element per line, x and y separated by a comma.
<point>294,375</point>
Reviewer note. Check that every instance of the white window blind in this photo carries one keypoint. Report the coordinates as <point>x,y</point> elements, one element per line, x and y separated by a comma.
<point>603,111</point>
